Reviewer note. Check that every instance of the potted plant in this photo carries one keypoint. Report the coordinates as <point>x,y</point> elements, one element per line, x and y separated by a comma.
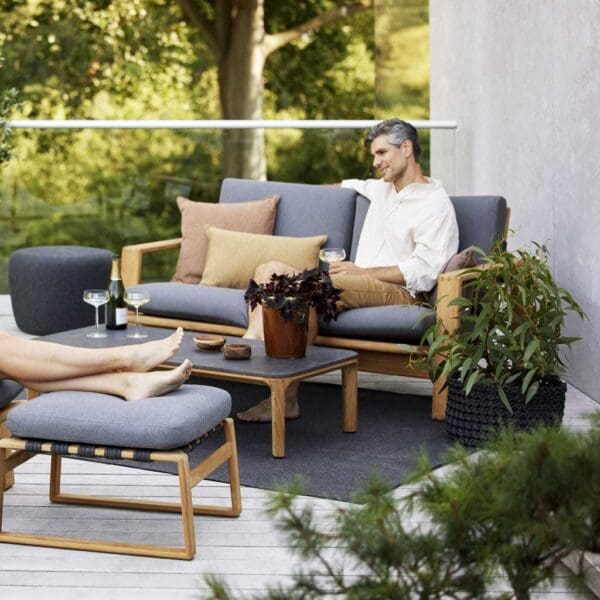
<point>503,361</point>
<point>286,301</point>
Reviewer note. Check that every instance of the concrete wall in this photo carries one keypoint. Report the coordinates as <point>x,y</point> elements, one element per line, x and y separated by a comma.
<point>522,78</point>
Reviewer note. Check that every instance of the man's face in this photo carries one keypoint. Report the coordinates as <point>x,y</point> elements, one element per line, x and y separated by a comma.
<point>390,161</point>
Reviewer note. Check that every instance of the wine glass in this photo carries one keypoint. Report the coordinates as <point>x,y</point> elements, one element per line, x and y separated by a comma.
<point>96,298</point>
<point>330,255</point>
<point>137,299</point>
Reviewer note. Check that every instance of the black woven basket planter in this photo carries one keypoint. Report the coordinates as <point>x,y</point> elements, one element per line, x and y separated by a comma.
<point>475,418</point>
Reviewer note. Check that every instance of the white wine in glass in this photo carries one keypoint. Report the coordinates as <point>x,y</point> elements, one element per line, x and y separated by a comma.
<point>96,298</point>
<point>331,255</point>
<point>137,299</point>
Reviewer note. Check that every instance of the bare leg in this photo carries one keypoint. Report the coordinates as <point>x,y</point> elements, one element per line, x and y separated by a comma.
<point>261,412</point>
<point>128,385</point>
<point>36,360</point>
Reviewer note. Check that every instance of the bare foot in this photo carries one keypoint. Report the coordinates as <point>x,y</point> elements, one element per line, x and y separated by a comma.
<point>146,356</point>
<point>156,383</point>
<point>261,412</point>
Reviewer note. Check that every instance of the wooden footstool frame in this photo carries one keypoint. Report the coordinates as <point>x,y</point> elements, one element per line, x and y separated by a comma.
<point>15,451</point>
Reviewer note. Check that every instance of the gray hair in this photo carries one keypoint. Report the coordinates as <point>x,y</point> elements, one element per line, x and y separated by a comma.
<point>397,131</point>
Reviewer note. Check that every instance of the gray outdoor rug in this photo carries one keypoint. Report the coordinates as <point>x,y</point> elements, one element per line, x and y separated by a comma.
<point>392,431</point>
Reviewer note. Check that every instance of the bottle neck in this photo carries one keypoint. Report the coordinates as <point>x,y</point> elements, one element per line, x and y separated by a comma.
<point>115,273</point>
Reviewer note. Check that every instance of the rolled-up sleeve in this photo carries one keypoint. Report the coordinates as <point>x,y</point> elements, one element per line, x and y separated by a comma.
<point>436,241</point>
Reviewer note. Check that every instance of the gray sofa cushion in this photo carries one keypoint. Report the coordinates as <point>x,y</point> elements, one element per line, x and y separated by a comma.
<point>362,206</point>
<point>160,423</point>
<point>196,303</point>
<point>9,390</point>
<point>303,210</point>
<point>480,220</point>
<point>401,324</point>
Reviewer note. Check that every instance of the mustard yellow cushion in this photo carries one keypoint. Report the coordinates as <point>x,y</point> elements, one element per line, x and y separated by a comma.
<point>254,217</point>
<point>233,256</point>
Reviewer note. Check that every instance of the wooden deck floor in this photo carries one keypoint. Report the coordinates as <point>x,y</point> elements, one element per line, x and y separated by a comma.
<point>248,552</point>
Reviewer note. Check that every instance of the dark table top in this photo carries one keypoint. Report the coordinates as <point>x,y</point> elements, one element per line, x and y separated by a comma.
<point>258,365</point>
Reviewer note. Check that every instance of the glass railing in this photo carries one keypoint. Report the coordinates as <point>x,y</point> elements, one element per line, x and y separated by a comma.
<point>109,184</point>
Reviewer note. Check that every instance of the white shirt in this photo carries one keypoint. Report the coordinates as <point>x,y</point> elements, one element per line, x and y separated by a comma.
<point>414,229</point>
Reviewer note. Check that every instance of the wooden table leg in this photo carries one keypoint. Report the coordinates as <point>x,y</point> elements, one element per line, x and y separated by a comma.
<point>350,398</point>
<point>278,388</point>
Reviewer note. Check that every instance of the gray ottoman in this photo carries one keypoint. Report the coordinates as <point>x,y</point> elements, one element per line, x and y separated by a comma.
<point>160,430</point>
<point>47,282</point>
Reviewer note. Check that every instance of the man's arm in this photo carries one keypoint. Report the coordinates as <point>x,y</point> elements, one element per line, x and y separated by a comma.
<point>387,274</point>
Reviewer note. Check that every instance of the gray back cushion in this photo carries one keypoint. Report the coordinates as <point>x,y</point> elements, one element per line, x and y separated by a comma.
<point>362,206</point>
<point>480,220</point>
<point>303,210</point>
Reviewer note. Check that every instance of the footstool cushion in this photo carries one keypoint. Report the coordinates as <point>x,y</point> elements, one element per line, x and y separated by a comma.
<point>159,423</point>
<point>47,282</point>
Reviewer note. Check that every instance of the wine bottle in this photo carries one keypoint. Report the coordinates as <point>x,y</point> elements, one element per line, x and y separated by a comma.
<point>116,309</point>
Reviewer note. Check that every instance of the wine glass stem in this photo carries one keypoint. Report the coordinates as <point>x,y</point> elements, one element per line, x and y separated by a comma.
<point>97,321</point>
<point>137,320</point>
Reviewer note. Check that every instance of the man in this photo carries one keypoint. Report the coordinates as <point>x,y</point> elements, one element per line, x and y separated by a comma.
<point>409,234</point>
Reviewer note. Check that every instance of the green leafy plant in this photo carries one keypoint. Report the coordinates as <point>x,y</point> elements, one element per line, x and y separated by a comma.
<point>513,511</point>
<point>295,294</point>
<point>509,327</point>
<point>8,101</point>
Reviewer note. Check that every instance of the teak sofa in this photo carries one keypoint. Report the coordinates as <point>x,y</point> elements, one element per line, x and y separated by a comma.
<point>385,338</point>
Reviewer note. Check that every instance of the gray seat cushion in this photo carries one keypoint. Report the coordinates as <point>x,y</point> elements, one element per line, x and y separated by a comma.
<point>9,390</point>
<point>303,209</point>
<point>196,303</point>
<point>160,423</point>
<point>400,324</point>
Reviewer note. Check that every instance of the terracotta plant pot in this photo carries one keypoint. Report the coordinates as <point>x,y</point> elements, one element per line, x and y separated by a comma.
<point>283,338</point>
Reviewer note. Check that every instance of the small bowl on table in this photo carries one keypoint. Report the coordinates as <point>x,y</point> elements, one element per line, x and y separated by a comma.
<point>210,342</point>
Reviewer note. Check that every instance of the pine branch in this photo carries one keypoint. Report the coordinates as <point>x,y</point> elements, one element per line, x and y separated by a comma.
<point>276,40</point>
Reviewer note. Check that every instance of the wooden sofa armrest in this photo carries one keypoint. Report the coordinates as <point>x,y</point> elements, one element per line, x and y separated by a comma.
<point>132,256</point>
<point>450,286</point>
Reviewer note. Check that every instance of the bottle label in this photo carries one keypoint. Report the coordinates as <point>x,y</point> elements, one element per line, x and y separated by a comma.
<point>120,316</point>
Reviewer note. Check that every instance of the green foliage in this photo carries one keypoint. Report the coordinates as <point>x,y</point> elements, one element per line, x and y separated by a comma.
<point>134,59</point>
<point>513,510</point>
<point>8,100</point>
<point>509,327</point>
<point>295,294</point>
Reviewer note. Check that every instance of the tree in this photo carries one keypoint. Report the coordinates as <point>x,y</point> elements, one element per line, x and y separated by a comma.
<point>241,45</point>
<point>8,100</point>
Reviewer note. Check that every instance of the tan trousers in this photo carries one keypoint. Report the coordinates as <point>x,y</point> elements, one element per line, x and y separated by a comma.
<point>360,291</point>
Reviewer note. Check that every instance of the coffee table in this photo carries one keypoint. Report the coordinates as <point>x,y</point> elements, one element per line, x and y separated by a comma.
<point>275,373</point>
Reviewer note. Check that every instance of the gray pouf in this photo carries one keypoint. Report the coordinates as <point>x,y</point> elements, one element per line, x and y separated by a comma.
<point>47,283</point>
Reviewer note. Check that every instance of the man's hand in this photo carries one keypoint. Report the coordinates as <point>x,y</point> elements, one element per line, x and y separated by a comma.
<point>388,274</point>
<point>345,268</point>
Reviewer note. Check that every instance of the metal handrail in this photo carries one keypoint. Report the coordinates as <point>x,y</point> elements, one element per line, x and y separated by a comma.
<point>213,124</point>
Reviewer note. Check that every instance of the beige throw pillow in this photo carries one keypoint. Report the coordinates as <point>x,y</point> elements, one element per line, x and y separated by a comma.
<point>253,217</point>
<point>232,256</point>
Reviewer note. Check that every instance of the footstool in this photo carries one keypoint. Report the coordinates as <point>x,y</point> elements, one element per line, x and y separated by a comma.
<point>102,427</point>
<point>47,282</point>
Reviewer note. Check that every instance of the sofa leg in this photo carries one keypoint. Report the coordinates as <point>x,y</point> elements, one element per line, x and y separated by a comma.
<point>9,476</point>
<point>438,401</point>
